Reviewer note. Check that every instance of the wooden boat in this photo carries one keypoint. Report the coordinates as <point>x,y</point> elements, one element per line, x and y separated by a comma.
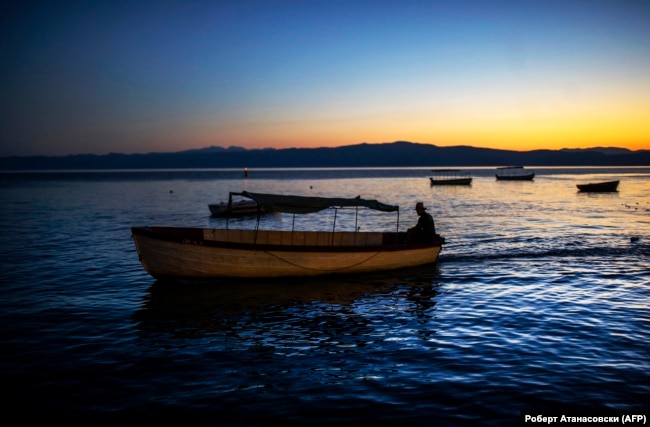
<point>233,209</point>
<point>599,187</point>
<point>183,253</point>
<point>449,177</point>
<point>514,173</point>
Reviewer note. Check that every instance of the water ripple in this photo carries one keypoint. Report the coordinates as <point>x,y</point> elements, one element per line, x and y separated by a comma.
<point>540,298</point>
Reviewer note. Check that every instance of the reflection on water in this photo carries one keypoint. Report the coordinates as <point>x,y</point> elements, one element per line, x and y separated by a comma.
<point>540,298</point>
<point>319,342</point>
<point>197,309</point>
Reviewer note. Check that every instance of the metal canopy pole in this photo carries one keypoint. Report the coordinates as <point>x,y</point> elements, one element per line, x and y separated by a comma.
<point>397,220</point>
<point>336,211</point>
<point>356,219</point>
<point>257,224</point>
<point>229,207</point>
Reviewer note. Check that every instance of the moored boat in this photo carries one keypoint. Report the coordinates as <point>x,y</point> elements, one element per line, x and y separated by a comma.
<point>204,253</point>
<point>449,177</point>
<point>599,187</point>
<point>514,173</point>
<point>235,208</point>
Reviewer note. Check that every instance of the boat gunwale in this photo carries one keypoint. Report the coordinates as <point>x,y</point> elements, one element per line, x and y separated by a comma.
<point>199,240</point>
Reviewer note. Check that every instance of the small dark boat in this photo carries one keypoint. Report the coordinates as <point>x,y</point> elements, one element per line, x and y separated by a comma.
<point>514,173</point>
<point>599,187</point>
<point>235,208</point>
<point>449,177</point>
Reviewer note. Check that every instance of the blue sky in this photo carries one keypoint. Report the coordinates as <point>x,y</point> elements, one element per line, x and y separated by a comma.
<point>143,76</point>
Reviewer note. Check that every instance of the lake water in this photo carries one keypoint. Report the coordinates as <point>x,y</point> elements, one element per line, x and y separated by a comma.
<point>539,302</point>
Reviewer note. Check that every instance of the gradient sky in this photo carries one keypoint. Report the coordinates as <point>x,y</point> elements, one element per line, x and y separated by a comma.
<point>142,76</point>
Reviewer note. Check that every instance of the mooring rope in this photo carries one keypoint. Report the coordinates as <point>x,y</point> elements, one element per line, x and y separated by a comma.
<point>318,269</point>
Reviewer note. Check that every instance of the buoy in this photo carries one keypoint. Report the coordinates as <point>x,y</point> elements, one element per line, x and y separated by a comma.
<point>634,239</point>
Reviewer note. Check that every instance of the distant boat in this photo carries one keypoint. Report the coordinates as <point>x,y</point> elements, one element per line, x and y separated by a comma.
<point>235,208</point>
<point>205,253</point>
<point>514,173</point>
<point>598,187</point>
<point>449,177</point>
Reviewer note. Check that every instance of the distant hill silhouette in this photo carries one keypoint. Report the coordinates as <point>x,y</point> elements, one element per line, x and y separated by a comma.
<point>395,154</point>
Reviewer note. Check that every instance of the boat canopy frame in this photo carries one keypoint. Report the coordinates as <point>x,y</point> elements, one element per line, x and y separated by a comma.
<point>450,173</point>
<point>309,204</point>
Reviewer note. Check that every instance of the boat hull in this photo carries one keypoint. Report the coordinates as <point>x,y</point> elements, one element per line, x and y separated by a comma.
<point>190,253</point>
<point>600,187</point>
<point>524,177</point>
<point>453,181</point>
<point>237,209</point>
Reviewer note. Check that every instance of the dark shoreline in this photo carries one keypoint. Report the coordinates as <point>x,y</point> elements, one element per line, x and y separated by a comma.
<point>395,154</point>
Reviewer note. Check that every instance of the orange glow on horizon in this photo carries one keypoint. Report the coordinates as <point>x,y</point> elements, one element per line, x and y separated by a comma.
<point>518,137</point>
<point>497,143</point>
<point>499,126</point>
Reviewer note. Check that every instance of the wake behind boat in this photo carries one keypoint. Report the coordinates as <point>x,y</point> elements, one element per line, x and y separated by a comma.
<point>202,253</point>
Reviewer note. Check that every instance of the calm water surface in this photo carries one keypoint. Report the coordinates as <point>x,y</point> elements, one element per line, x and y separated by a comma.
<point>540,300</point>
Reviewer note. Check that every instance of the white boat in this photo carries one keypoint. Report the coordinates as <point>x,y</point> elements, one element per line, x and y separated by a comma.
<point>183,253</point>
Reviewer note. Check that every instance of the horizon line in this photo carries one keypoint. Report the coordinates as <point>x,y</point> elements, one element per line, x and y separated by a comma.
<point>240,148</point>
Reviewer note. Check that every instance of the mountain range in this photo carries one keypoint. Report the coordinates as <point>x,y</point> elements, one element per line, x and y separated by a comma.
<point>390,154</point>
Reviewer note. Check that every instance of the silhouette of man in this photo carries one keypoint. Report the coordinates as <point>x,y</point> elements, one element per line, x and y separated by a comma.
<point>425,230</point>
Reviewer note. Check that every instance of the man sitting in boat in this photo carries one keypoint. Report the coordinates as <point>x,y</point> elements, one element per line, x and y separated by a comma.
<point>425,230</point>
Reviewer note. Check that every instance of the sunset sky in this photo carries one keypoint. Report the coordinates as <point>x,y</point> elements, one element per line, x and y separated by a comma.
<point>142,76</point>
